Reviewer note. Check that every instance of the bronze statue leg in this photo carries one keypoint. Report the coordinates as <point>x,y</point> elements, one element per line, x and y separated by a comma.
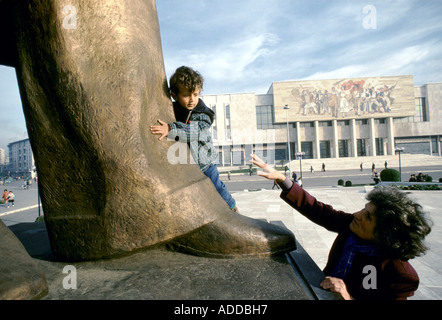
<point>92,81</point>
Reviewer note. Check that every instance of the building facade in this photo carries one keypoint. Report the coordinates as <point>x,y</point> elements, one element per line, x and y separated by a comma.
<point>328,119</point>
<point>21,159</point>
<point>3,158</point>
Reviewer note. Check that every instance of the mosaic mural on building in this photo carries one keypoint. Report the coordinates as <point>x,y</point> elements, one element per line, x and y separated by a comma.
<point>344,98</point>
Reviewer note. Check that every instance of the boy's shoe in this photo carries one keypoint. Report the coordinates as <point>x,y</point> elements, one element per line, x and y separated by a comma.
<point>235,209</point>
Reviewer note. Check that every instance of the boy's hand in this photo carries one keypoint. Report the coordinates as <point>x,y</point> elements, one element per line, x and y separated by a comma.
<point>162,130</point>
<point>269,172</point>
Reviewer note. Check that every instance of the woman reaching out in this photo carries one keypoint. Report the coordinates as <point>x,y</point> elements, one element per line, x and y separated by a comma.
<point>375,242</point>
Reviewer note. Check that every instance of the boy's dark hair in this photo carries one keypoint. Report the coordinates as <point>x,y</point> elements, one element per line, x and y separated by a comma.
<point>401,225</point>
<point>187,78</point>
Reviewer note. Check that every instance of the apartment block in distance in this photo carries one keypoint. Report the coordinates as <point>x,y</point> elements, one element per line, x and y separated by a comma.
<point>21,159</point>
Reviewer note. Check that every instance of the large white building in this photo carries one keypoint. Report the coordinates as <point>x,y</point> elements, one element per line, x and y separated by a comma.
<point>328,119</point>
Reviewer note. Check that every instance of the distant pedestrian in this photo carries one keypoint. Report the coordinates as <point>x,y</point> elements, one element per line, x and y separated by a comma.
<point>361,166</point>
<point>373,167</point>
<point>11,198</point>
<point>275,184</point>
<point>299,182</point>
<point>375,177</point>
<point>311,169</point>
<point>323,167</point>
<point>5,196</point>
<point>228,175</point>
<point>386,164</point>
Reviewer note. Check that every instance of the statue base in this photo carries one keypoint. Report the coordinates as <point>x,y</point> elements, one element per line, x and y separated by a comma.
<point>160,274</point>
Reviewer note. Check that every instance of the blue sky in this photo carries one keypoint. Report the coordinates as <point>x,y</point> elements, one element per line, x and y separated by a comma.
<point>245,45</point>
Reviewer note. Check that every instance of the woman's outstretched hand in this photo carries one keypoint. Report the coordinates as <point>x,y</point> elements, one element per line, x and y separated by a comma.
<point>268,172</point>
<point>336,285</point>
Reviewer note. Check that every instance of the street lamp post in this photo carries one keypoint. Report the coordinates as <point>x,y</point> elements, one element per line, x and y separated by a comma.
<point>286,108</point>
<point>399,150</point>
<point>300,154</point>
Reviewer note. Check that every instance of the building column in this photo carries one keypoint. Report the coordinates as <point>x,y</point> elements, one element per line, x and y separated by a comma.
<point>316,147</point>
<point>335,138</point>
<point>354,144</point>
<point>372,137</point>
<point>439,145</point>
<point>298,136</point>
<point>390,137</point>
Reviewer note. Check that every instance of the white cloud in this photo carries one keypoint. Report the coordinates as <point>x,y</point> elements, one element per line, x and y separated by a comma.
<point>399,63</point>
<point>227,61</point>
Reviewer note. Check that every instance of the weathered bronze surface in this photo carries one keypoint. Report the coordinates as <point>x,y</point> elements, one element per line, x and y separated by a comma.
<point>20,276</point>
<point>92,81</point>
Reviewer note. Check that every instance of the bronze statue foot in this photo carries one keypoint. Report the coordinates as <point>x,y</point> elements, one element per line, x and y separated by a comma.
<point>236,236</point>
<point>92,82</point>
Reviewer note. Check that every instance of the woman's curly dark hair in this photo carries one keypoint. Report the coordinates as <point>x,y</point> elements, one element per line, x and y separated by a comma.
<point>187,78</point>
<point>401,225</point>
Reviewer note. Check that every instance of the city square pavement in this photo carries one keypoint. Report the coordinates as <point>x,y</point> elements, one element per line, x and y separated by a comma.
<point>317,241</point>
<point>26,204</point>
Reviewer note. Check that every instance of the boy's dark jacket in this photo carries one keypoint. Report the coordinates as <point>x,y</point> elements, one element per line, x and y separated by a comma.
<point>182,114</point>
<point>193,127</point>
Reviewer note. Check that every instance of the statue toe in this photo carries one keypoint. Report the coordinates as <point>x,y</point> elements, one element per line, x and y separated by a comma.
<point>235,235</point>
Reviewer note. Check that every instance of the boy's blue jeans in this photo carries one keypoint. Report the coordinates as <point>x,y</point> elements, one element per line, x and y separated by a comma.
<point>213,174</point>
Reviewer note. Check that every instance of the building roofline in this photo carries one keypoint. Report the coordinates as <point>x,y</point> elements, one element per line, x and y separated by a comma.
<point>17,141</point>
<point>425,84</point>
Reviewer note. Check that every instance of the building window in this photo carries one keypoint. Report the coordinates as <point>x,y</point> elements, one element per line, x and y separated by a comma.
<point>343,148</point>
<point>248,149</point>
<point>379,146</point>
<point>307,125</point>
<point>228,127</point>
<point>227,152</point>
<point>421,110</point>
<point>380,121</point>
<point>435,145</point>
<point>220,156</point>
<point>264,119</point>
<point>238,155</point>
<point>293,150</point>
<point>361,147</point>
<point>324,147</point>
<point>307,147</point>
<point>361,122</point>
<point>324,123</point>
<point>260,150</point>
<point>342,123</point>
<point>214,126</point>
<point>281,152</point>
